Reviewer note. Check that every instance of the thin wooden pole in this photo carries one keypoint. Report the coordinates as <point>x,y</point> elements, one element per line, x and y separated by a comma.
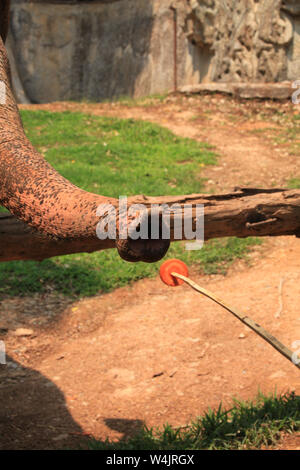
<point>175,46</point>
<point>281,348</point>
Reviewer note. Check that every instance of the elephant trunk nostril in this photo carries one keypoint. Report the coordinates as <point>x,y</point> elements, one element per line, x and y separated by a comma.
<point>148,251</point>
<point>137,247</point>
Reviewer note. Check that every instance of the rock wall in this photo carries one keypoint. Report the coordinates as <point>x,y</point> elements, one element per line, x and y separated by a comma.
<point>102,49</point>
<point>247,40</point>
<point>99,50</point>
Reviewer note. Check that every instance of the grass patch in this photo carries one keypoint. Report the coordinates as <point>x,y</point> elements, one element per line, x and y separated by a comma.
<point>286,131</point>
<point>288,135</point>
<point>144,101</point>
<point>115,157</point>
<point>247,425</point>
<point>90,274</point>
<point>294,183</point>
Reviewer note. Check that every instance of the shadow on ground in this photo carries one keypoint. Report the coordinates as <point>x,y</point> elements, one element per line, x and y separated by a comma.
<point>128,427</point>
<point>33,413</point>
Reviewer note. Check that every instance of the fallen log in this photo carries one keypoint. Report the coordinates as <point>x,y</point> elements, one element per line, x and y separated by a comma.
<point>243,213</point>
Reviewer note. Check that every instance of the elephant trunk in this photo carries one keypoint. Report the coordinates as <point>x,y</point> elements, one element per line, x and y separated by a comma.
<point>38,195</point>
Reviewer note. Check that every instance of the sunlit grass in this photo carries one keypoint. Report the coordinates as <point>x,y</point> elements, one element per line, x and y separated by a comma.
<point>247,425</point>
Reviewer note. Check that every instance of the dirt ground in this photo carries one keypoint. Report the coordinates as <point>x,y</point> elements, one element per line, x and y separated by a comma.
<point>148,353</point>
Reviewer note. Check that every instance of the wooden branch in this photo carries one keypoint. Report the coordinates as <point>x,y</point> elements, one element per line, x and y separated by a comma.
<point>20,242</point>
<point>242,213</point>
<point>259,330</point>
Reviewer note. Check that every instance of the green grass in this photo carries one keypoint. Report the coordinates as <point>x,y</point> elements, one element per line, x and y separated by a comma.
<point>294,183</point>
<point>247,425</point>
<point>289,135</point>
<point>286,133</point>
<point>90,274</point>
<point>115,157</point>
<point>150,100</point>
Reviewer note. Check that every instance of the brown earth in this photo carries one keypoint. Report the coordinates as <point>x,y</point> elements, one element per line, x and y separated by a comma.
<point>148,353</point>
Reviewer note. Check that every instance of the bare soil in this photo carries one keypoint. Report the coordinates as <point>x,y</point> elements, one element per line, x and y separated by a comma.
<point>148,353</point>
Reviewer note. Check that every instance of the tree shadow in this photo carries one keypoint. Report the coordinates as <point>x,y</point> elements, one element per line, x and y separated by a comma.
<point>33,412</point>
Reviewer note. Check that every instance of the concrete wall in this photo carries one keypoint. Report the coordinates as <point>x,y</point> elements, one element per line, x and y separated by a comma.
<point>99,50</point>
<point>73,50</point>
